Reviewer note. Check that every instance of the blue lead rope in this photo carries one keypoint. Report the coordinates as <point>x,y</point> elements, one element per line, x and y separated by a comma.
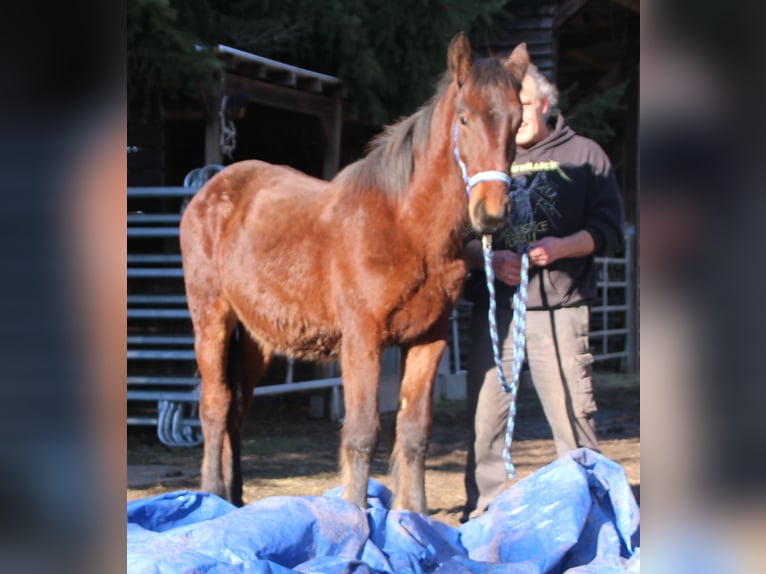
<point>519,340</point>
<point>519,303</point>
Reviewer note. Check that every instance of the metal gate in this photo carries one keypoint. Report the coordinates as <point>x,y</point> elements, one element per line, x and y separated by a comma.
<point>162,385</point>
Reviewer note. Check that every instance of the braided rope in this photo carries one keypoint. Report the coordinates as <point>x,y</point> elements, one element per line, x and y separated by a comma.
<point>520,318</point>
<point>486,245</point>
<point>519,302</point>
<point>519,340</point>
<point>463,169</point>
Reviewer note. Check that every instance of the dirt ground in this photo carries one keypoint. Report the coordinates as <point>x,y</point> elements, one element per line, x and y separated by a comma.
<point>285,452</point>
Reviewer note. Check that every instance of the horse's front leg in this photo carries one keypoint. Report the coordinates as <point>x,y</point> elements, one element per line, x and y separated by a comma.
<point>360,363</point>
<point>413,423</point>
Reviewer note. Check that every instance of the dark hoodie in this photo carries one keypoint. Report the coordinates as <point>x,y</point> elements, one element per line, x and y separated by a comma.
<point>561,185</point>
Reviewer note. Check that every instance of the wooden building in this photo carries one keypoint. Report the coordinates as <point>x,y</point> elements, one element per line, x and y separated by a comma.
<point>586,47</point>
<point>265,109</point>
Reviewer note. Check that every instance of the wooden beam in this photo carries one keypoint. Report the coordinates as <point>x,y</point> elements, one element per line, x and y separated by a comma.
<point>597,56</point>
<point>568,9</point>
<point>213,141</point>
<point>633,5</point>
<point>331,127</point>
<point>280,97</point>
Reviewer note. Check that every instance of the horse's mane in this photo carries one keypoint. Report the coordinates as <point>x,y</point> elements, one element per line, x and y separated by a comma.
<point>390,158</point>
<point>389,162</point>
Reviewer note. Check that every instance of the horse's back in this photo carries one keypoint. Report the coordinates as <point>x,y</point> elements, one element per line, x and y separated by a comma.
<point>235,192</point>
<point>242,181</point>
<point>254,239</point>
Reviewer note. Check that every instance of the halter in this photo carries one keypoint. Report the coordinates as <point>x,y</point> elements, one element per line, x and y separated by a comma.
<point>477,177</point>
<point>519,308</point>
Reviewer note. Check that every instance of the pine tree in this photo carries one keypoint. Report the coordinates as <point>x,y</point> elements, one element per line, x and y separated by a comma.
<point>590,117</point>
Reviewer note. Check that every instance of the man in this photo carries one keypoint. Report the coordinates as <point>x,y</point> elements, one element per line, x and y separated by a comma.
<point>566,209</point>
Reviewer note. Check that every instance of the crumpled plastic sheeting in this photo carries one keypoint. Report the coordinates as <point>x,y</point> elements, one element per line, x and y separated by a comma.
<point>574,516</point>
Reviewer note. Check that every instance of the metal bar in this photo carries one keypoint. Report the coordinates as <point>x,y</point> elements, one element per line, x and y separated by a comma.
<point>157,299</point>
<point>179,396</point>
<point>142,421</point>
<point>290,369</point>
<point>159,381</point>
<point>610,332</point>
<point>161,191</point>
<point>604,304</point>
<point>153,218</point>
<point>608,267</point>
<point>299,386</point>
<point>608,308</point>
<point>455,341</point>
<point>153,232</point>
<point>154,259</point>
<point>606,356</point>
<point>149,272</point>
<point>631,344</point>
<point>279,66</point>
<point>151,355</point>
<point>158,314</point>
<point>160,339</point>
<point>152,421</point>
<point>610,259</point>
<point>193,396</point>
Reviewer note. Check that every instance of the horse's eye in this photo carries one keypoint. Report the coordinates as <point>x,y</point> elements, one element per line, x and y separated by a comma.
<point>463,120</point>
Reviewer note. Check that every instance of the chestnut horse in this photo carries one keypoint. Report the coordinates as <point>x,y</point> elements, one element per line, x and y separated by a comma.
<point>346,268</point>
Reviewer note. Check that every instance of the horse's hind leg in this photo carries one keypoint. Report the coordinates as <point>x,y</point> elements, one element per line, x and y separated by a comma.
<point>253,360</point>
<point>413,424</point>
<point>213,325</point>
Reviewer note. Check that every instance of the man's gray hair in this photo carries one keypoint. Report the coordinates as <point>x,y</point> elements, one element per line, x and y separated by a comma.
<point>545,88</point>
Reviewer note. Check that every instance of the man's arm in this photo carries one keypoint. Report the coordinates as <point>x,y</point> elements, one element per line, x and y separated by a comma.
<point>604,209</point>
<point>549,249</point>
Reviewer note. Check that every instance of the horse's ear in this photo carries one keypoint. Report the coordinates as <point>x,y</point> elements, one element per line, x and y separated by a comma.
<point>459,57</point>
<point>518,61</point>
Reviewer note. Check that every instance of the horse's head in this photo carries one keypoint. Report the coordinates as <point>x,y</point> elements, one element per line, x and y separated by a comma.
<point>487,116</point>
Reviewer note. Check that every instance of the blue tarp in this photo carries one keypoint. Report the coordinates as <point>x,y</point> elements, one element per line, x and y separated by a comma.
<point>575,516</point>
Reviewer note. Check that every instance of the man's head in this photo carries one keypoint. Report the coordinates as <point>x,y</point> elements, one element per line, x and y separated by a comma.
<point>538,95</point>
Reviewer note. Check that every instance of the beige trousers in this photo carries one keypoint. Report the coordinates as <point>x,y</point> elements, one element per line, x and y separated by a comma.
<point>560,366</point>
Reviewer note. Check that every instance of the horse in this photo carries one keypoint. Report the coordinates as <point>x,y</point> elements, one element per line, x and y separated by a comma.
<point>346,268</point>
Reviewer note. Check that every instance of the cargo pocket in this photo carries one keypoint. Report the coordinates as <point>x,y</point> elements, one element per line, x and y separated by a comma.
<point>585,401</point>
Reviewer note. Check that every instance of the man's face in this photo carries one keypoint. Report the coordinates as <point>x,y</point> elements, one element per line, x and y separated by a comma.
<point>533,127</point>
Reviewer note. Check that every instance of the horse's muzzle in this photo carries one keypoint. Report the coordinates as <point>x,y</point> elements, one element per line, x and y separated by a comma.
<point>488,217</point>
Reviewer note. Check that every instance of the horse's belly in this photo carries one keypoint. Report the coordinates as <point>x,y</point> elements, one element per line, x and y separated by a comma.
<point>295,337</point>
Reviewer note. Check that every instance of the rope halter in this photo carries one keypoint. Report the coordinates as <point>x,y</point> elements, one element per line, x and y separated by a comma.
<point>477,178</point>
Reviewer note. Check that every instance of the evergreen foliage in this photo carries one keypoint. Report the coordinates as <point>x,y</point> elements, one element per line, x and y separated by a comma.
<point>590,117</point>
<point>389,53</point>
<point>163,62</point>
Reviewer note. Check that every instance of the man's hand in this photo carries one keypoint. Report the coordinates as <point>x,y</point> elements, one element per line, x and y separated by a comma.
<point>545,251</point>
<point>507,266</point>
<point>549,249</point>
